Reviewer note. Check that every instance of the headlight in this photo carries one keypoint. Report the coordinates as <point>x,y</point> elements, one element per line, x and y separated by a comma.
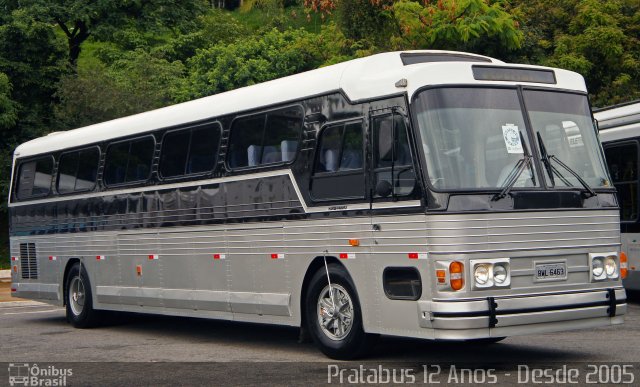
<point>481,274</point>
<point>611,268</point>
<point>597,268</point>
<point>499,274</point>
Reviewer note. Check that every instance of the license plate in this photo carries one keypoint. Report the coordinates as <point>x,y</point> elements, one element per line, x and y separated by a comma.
<point>551,271</point>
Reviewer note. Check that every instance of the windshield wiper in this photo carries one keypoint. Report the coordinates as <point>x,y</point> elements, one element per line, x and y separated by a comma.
<point>551,170</point>
<point>515,173</point>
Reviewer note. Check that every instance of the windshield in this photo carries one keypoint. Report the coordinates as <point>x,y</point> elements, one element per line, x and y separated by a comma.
<point>564,123</point>
<point>473,138</point>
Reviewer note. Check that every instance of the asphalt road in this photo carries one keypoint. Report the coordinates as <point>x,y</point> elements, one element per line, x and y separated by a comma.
<point>37,333</point>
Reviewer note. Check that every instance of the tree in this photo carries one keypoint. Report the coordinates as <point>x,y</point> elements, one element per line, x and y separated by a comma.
<point>255,59</point>
<point>473,25</point>
<point>134,82</point>
<point>31,63</point>
<point>599,39</point>
<point>32,56</point>
<point>80,19</point>
<point>214,27</point>
<point>8,107</point>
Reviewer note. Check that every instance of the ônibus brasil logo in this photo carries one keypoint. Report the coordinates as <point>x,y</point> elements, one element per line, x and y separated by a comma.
<point>25,374</point>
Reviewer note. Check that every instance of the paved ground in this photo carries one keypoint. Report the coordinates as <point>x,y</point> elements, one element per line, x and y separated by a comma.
<point>32,332</point>
<point>5,291</point>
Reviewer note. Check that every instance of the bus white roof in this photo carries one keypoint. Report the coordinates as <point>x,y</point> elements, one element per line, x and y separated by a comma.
<point>619,122</point>
<point>359,79</point>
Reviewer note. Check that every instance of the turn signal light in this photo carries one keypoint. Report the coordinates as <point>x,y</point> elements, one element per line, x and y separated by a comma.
<point>441,275</point>
<point>623,265</point>
<point>456,277</point>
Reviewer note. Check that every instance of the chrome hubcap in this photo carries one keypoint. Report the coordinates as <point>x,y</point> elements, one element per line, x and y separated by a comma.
<point>76,295</point>
<point>335,312</point>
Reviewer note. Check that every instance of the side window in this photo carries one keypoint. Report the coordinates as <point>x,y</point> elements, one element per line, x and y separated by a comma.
<point>622,161</point>
<point>393,168</point>
<point>77,170</point>
<point>129,161</point>
<point>34,178</point>
<point>338,170</point>
<point>266,138</point>
<point>189,151</point>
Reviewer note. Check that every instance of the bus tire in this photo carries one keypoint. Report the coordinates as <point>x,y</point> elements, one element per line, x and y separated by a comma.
<point>336,328</point>
<point>79,301</point>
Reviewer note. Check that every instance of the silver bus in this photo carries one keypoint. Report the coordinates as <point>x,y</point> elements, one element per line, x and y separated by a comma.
<point>427,194</point>
<point>620,135</point>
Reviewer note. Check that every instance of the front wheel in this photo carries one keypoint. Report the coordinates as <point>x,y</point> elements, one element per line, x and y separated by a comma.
<point>80,312</point>
<point>334,317</point>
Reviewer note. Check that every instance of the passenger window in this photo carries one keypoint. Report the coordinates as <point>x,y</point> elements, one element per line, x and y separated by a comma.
<point>392,157</point>
<point>77,171</point>
<point>622,161</point>
<point>34,178</point>
<point>338,171</point>
<point>129,161</point>
<point>267,138</point>
<point>190,151</point>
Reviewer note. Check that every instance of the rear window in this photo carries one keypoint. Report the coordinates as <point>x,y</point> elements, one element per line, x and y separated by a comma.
<point>34,178</point>
<point>77,171</point>
<point>129,161</point>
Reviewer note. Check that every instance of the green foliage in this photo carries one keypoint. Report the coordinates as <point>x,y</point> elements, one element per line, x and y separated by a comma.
<point>104,19</point>
<point>134,82</point>
<point>8,120</point>
<point>8,107</point>
<point>31,62</point>
<point>215,27</point>
<point>598,39</point>
<point>31,55</point>
<point>468,25</point>
<point>363,20</point>
<point>256,59</point>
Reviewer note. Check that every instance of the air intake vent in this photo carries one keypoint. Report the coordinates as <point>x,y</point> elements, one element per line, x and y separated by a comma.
<point>28,261</point>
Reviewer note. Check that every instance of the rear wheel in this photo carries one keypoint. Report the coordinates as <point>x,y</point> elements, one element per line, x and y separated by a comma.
<point>334,317</point>
<point>80,312</point>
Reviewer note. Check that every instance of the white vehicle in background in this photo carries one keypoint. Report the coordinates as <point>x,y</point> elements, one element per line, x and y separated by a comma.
<point>620,135</point>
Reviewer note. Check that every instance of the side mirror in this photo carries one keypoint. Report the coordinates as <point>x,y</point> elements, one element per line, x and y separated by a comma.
<point>383,188</point>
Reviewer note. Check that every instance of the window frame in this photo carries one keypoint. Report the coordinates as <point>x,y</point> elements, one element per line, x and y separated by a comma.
<point>622,143</point>
<point>217,124</point>
<point>338,173</point>
<point>129,140</point>
<point>264,130</point>
<point>95,183</point>
<point>374,170</point>
<point>19,173</point>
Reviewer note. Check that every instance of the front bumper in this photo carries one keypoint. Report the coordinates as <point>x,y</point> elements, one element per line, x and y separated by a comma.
<point>517,315</point>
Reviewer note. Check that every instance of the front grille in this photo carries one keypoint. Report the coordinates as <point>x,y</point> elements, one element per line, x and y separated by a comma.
<point>28,261</point>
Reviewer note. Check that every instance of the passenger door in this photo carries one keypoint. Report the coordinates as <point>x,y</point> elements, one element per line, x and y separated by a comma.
<point>397,223</point>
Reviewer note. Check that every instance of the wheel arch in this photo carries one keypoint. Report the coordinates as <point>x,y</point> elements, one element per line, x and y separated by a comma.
<point>65,277</point>
<point>317,264</point>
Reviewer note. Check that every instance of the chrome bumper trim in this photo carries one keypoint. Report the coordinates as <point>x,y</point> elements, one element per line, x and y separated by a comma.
<point>496,312</point>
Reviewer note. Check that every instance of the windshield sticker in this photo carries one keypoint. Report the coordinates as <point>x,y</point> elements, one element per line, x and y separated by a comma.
<point>511,136</point>
<point>575,141</point>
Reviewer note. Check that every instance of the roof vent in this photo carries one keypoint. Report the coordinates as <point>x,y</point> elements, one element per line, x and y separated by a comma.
<point>410,58</point>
